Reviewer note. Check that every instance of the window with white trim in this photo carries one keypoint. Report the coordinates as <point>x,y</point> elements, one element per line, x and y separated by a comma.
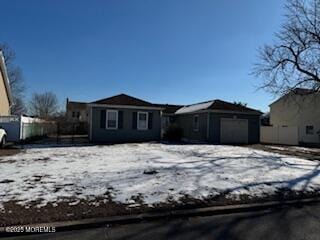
<point>196,122</point>
<point>142,121</point>
<point>112,119</point>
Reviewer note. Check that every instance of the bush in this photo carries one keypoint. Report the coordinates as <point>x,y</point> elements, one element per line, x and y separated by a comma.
<point>173,133</point>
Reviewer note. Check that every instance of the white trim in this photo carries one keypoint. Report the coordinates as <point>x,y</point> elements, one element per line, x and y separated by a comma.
<point>147,121</point>
<point>235,112</point>
<point>221,111</point>
<point>107,112</point>
<point>197,127</point>
<point>123,106</point>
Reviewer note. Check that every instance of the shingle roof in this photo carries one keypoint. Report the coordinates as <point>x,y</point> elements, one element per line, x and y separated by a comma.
<point>302,91</point>
<point>169,108</point>
<point>296,91</point>
<point>216,105</point>
<point>194,107</point>
<point>126,100</point>
<point>74,104</point>
<point>223,105</point>
<point>123,99</point>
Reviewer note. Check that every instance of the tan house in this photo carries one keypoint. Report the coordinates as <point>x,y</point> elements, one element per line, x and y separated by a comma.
<point>5,92</point>
<point>76,111</point>
<point>299,113</point>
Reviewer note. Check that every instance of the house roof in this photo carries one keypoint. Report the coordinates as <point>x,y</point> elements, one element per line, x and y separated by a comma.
<point>194,107</point>
<point>124,100</point>
<point>3,71</point>
<point>216,105</point>
<point>303,91</point>
<point>296,91</point>
<point>74,104</point>
<point>169,108</point>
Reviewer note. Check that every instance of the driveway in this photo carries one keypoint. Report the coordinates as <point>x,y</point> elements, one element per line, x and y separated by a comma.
<point>47,183</point>
<point>297,151</point>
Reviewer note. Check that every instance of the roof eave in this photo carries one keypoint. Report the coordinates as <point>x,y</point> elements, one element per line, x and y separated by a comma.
<point>124,106</point>
<point>222,111</point>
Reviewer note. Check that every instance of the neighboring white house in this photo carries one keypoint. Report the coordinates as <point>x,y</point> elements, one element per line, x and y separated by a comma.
<point>295,118</point>
<point>5,91</point>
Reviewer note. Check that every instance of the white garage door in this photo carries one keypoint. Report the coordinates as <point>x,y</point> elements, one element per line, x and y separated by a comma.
<point>233,130</point>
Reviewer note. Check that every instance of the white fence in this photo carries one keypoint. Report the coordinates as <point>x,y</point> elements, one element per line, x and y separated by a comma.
<point>279,135</point>
<point>21,128</point>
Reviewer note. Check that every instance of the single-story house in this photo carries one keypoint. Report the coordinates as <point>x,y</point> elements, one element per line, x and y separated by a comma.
<point>5,91</point>
<point>123,118</point>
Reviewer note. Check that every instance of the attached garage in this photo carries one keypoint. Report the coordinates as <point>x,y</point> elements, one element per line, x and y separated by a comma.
<point>234,131</point>
<point>219,122</point>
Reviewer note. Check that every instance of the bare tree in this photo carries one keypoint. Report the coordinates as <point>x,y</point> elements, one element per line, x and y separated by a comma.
<point>293,60</point>
<point>44,105</point>
<point>15,78</point>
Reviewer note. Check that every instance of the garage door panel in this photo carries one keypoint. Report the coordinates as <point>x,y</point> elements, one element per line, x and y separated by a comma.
<point>233,131</point>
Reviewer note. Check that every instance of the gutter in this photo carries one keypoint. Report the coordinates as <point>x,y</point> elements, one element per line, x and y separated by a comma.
<point>221,111</point>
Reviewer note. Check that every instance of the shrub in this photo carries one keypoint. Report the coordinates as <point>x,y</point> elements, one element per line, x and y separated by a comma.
<point>173,133</point>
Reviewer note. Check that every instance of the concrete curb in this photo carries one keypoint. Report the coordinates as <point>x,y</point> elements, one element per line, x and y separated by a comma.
<point>129,219</point>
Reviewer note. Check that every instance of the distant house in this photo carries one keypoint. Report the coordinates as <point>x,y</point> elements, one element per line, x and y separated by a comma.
<point>298,110</point>
<point>5,92</point>
<point>76,111</point>
<point>123,118</point>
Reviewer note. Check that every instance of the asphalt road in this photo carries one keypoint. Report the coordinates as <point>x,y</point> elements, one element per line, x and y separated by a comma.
<point>298,223</point>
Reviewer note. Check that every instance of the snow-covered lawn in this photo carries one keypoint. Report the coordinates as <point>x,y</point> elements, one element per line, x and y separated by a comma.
<point>155,172</point>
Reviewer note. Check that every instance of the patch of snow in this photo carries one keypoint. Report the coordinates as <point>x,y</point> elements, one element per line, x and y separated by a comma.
<point>117,171</point>
<point>194,107</point>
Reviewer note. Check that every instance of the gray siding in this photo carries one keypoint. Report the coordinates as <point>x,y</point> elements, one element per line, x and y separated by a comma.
<point>185,121</point>
<point>253,126</point>
<point>212,135</point>
<point>127,133</point>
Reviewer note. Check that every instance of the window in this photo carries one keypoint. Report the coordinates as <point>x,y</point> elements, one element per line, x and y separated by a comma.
<point>142,120</point>
<point>73,114</point>
<point>196,122</point>
<point>309,130</point>
<point>78,114</point>
<point>112,119</point>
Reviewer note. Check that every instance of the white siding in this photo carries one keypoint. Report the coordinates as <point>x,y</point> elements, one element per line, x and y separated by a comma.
<point>298,111</point>
<point>279,135</point>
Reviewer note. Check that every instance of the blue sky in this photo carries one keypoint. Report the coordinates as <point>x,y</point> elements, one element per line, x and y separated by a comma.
<point>164,51</point>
